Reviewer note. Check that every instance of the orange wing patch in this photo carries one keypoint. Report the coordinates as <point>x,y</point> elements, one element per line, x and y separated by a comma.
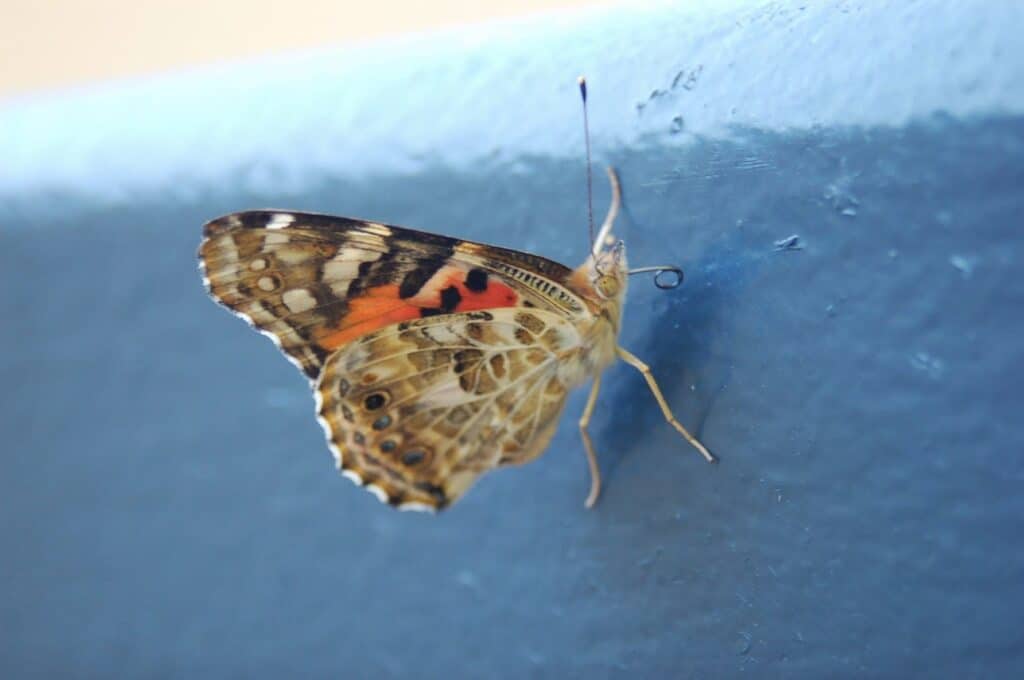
<point>451,289</point>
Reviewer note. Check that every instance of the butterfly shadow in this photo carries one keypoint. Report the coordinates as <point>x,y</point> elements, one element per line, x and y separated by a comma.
<point>685,339</point>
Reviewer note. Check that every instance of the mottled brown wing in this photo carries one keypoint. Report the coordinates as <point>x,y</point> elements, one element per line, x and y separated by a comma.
<point>417,411</point>
<point>314,283</point>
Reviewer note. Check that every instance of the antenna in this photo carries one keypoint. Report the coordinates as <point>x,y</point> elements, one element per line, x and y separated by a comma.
<point>658,270</point>
<point>590,183</point>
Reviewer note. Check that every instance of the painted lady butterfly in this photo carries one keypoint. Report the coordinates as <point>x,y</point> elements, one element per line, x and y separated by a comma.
<point>432,360</point>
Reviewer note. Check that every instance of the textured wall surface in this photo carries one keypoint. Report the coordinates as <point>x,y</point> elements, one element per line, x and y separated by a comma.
<point>169,507</point>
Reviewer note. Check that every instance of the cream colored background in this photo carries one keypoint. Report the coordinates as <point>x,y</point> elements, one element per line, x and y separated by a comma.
<point>47,44</point>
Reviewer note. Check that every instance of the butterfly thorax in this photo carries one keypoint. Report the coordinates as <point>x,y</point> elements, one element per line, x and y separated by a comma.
<point>601,282</point>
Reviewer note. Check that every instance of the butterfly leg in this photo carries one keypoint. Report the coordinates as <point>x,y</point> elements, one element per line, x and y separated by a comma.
<point>595,471</point>
<point>645,370</point>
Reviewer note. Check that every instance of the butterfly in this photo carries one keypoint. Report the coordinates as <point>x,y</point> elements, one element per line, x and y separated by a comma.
<point>432,360</point>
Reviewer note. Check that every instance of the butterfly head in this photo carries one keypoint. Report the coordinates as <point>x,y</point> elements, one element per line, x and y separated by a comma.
<point>607,270</point>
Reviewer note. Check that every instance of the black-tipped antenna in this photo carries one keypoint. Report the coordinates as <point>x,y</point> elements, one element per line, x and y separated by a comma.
<point>662,269</point>
<point>590,183</point>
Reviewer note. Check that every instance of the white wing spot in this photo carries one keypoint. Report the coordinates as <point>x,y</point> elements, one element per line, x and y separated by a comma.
<point>336,452</point>
<point>295,362</point>
<point>381,495</point>
<point>258,315</point>
<point>267,284</point>
<point>280,221</point>
<point>326,427</point>
<point>444,334</point>
<point>298,300</point>
<point>377,228</point>
<point>277,342</point>
<point>259,264</point>
<point>226,250</point>
<point>417,507</point>
<point>291,256</point>
<point>345,265</point>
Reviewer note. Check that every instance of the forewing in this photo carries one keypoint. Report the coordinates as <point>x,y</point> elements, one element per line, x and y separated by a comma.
<point>313,283</point>
<point>419,410</point>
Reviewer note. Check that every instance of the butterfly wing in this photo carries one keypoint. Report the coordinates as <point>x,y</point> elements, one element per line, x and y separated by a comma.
<point>433,359</point>
<point>418,410</point>
<point>313,283</point>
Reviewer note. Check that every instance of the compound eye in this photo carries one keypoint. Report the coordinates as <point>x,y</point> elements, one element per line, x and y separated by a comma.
<point>607,286</point>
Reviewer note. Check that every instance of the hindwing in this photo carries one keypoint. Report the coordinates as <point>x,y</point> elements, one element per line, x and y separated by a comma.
<point>417,411</point>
